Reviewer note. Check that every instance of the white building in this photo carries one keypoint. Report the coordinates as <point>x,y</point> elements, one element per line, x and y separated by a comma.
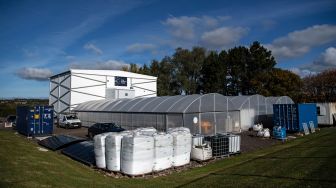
<point>326,113</point>
<point>73,87</point>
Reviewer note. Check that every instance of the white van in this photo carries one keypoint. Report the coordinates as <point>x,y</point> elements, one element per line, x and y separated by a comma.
<point>69,120</point>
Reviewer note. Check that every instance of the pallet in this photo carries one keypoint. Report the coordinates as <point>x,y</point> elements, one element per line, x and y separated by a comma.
<point>233,154</point>
<point>221,157</point>
<point>201,161</point>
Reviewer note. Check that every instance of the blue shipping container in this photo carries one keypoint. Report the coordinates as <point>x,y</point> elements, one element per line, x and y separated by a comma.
<point>294,116</point>
<point>38,120</point>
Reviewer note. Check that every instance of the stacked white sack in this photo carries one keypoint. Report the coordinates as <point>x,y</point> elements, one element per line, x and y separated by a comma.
<point>163,151</point>
<point>147,131</point>
<point>113,149</point>
<point>99,149</point>
<point>182,147</point>
<point>137,154</point>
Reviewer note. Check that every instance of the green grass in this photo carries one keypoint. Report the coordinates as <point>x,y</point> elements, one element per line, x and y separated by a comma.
<point>309,161</point>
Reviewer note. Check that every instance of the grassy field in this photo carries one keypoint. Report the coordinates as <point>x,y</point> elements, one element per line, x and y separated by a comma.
<point>308,161</point>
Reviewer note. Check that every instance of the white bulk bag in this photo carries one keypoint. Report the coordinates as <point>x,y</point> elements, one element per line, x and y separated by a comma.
<point>148,131</point>
<point>201,153</point>
<point>163,151</point>
<point>99,149</point>
<point>112,150</point>
<point>137,154</point>
<point>182,147</point>
<point>257,127</point>
<point>260,133</point>
<point>267,133</point>
<point>170,130</point>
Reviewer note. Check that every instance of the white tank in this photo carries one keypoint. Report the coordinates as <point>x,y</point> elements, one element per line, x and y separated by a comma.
<point>197,140</point>
<point>112,150</point>
<point>163,151</point>
<point>99,149</point>
<point>182,147</point>
<point>201,153</point>
<point>234,142</point>
<point>137,154</point>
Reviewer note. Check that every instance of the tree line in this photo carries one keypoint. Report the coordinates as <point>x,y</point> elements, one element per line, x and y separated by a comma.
<point>237,71</point>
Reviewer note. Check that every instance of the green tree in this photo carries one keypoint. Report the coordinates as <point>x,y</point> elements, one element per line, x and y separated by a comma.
<point>261,64</point>
<point>320,87</point>
<point>187,69</point>
<point>278,83</point>
<point>144,70</point>
<point>237,61</point>
<point>214,73</point>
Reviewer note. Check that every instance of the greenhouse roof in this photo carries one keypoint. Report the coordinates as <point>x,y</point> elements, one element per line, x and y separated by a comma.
<point>248,101</point>
<point>279,100</point>
<point>212,102</point>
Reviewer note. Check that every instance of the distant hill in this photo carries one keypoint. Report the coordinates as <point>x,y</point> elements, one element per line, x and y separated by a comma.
<point>8,106</point>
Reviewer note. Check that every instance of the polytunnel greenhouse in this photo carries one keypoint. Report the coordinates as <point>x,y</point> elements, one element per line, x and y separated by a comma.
<point>251,109</point>
<point>257,109</point>
<point>203,114</point>
<point>277,100</point>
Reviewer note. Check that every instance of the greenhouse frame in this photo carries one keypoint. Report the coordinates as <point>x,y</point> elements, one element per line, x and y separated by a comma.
<point>203,114</point>
<point>257,108</point>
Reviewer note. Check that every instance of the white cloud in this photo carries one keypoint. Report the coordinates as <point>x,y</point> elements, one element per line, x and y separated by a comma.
<point>300,42</point>
<point>29,73</point>
<point>302,72</point>
<point>223,37</point>
<point>141,47</point>
<point>327,60</point>
<point>329,56</point>
<point>106,65</point>
<point>189,27</point>
<point>93,48</point>
<point>182,27</point>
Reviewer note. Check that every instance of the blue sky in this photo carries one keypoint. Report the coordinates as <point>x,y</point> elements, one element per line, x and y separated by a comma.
<point>40,38</point>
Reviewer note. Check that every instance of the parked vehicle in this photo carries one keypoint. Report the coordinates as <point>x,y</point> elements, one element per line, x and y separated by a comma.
<point>99,128</point>
<point>69,120</point>
<point>10,121</point>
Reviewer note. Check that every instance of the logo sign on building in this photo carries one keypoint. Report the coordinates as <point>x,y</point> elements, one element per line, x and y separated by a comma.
<point>120,81</point>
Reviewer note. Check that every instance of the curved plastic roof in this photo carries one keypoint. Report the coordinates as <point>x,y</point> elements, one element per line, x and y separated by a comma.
<point>212,102</point>
<point>248,101</point>
<point>279,100</point>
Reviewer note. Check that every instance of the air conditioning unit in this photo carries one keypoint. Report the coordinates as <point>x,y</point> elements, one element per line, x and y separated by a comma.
<point>112,93</point>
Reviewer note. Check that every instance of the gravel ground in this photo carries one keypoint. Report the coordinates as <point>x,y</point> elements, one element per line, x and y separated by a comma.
<point>80,132</point>
<point>250,141</point>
